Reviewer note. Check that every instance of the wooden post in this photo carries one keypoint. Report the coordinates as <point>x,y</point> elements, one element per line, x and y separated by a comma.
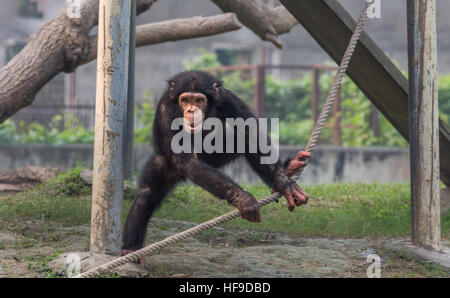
<point>129,129</point>
<point>371,69</point>
<point>424,125</point>
<point>110,118</point>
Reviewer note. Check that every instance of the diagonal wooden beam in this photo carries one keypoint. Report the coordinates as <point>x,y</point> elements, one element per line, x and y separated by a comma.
<point>371,70</point>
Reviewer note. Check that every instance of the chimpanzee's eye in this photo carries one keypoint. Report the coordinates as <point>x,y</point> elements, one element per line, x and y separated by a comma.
<point>199,100</point>
<point>183,99</point>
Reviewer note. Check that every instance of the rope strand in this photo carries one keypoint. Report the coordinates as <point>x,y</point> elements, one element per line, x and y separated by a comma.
<point>154,248</point>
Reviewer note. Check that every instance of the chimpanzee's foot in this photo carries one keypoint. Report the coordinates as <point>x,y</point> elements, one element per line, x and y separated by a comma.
<point>141,261</point>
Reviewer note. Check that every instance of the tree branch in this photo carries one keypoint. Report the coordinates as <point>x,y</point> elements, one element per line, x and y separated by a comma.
<point>63,44</point>
<point>177,29</point>
<point>263,20</point>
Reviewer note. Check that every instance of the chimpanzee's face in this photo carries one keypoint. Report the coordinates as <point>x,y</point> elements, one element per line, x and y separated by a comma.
<point>193,105</point>
<point>197,94</point>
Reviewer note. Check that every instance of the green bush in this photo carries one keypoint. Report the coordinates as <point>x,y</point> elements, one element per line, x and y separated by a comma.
<point>288,100</point>
<point>71,131</point>
<point>444,98</point>
<point>354,117</point>
<point>57,132</point>
<point>145,115</point>
<point>204,60</point>
<point>69,183</point>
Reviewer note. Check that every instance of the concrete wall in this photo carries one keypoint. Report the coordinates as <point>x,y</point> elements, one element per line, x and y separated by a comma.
<point>330,164</point>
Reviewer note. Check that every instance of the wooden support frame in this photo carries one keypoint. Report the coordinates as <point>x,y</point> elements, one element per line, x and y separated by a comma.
<point>423,119</point>
<point>128,157</point>
<point>371,70</point>
<point>110,119</point>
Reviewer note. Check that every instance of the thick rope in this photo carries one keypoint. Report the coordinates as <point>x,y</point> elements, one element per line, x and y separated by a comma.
<point>154,248</point>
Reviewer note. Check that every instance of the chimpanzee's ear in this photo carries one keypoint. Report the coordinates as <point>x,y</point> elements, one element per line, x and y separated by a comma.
<point>172,90</point>
<point>218,90</point>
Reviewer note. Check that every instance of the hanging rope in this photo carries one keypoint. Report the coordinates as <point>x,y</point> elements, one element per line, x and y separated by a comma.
<point>154,248</point>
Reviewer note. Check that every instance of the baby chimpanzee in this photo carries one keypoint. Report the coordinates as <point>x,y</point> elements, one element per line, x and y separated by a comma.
<point>194,97</point>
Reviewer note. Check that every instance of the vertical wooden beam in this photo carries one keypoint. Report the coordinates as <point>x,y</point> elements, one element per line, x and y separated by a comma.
<point>110,118</point>
<point>129,129</point>
<point>424,125</point>
<point>372,71</point>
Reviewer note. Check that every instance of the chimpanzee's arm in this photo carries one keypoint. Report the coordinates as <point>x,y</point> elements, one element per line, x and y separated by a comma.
<point>272,174</point>
<point>218,184</point>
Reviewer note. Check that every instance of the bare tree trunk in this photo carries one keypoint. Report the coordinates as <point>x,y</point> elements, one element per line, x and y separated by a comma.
<point>263,20</point>
<point>62,44</point>
<point>178,29</point>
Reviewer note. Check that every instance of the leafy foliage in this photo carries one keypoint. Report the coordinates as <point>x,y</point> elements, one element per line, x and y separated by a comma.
<point>204,60</point>
<point>289,100</point>
<point>69,183</point>
<point>444,98</point>
<point>354,116</point>
<point>144,116</point>
<point>70,132</point>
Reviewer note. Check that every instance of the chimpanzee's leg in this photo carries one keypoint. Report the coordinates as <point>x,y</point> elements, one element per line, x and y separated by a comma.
<point>157,179</point>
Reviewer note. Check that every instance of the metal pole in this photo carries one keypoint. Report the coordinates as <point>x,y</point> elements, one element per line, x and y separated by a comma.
<point>315,94</point>
<point>110,113</point>
<point>73,96</point>
<point>260,91</point>
<point>129,131</point>
<point>424,125</point>
<point>337,121</point>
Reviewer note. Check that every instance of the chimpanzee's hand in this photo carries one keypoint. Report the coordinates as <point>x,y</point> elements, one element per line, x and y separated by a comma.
<point>248,206</point>
<point>294,195</point>
<point>297,163</point>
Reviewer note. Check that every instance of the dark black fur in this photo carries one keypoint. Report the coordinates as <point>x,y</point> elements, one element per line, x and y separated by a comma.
<point>165,169</point>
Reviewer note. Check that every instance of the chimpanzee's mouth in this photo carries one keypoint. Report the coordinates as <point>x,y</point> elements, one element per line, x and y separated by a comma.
<point>192,126</point>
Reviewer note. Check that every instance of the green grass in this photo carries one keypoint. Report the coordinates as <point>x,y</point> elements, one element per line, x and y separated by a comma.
<point>336,210</point>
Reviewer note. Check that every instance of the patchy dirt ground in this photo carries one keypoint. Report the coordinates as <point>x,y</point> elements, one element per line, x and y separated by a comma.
<point>26,250</point>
